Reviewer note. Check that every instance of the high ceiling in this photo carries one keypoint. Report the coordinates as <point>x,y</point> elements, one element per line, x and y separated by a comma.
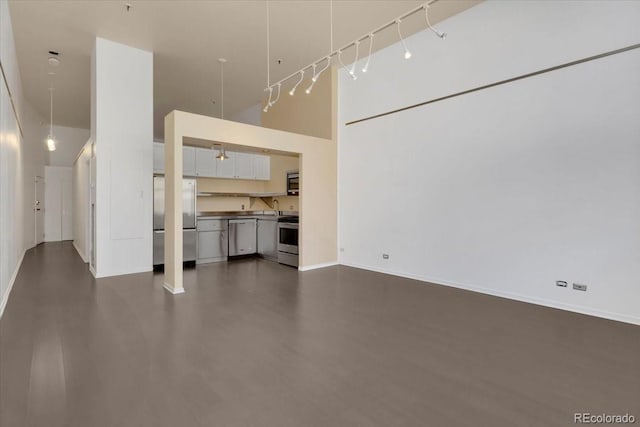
<point>187,38</point>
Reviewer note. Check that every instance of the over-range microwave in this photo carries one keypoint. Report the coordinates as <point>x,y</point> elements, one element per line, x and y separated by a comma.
<point>293,183</point>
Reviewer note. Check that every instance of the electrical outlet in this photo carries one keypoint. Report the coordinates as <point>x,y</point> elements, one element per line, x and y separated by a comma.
<point>385,256</point>
<point>579,287</point>
<point>561,283</point>
<point>242,207</point>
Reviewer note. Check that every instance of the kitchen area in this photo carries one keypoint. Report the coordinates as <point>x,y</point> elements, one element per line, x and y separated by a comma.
<point>237,202</point>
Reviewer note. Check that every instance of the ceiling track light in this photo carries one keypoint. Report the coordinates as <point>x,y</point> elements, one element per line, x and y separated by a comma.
<point>313,81</point>
<point>407,53</point>
<point>266,107</point>
<point>293,89</point>
<point>437,32</point>
<point>338,52</point>
<point>339,55</point>
<point>328,59</point>
<point>352,71</point>
<point>366,65</point>
<point>279,86</point>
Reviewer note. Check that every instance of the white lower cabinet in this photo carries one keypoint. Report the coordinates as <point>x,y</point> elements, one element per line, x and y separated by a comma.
<point>212,240</point>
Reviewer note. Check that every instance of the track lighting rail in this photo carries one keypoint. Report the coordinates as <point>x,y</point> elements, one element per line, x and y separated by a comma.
<point>364,37</point>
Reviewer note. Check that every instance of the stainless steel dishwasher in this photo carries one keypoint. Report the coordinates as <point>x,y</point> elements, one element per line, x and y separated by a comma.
<point>242,237</point>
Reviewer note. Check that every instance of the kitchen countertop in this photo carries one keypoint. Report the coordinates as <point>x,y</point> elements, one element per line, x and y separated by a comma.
<point>243,214</point>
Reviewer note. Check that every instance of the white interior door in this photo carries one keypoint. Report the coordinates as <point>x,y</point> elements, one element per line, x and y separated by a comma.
<point>66,186</point>
<point>38,208</point>
<point>52,205</point>
<point>58,203</point>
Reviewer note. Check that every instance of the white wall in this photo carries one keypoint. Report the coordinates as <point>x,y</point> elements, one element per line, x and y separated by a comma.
<point>20,157</point>
<point>122,128</point>
<point>81,197</point>
<point>249,116</point>
<point>34,154</point>
<point>58,203</point>
<point>69,142</point>
<point>506,190</point>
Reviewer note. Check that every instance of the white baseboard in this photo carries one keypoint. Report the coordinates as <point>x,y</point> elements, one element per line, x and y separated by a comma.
<point>82,255</point>
<point>5,297</point>
<point>172,290</point>
<point>316,266</point>
<point>508,295</point>
<point>103,275</point>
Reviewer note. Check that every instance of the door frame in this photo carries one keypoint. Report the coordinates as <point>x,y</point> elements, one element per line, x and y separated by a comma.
<point>38,206</point>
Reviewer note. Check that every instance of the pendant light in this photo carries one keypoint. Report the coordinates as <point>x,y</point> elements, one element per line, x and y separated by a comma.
<point>51,142</point>
<point>222,156</point>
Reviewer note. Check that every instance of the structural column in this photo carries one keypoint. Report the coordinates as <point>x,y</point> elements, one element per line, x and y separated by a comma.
<point>122,133</point>
<point>173,205</point>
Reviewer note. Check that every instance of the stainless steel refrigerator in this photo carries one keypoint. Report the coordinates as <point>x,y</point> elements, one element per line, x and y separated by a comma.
<point>189,234</point>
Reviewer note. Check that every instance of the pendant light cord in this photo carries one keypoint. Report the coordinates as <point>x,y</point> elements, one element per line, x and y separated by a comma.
<point>268,49</point>
<point>222,90</point>
<point>331,23</point>
<point>51,111</point>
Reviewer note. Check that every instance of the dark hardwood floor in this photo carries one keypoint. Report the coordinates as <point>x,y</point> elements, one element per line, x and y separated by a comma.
<point>254,343</point>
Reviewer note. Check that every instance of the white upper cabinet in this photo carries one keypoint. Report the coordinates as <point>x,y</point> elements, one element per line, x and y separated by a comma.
<point>202,162</point>
<point>188,161</point>
<point>262,167</point>
<point>206,162</point>
<point>158,157</point>
<point>225,168</point>
<point>244,166</point>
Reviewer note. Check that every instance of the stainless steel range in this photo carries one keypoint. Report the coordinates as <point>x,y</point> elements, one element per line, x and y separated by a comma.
<point>288,240</point>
